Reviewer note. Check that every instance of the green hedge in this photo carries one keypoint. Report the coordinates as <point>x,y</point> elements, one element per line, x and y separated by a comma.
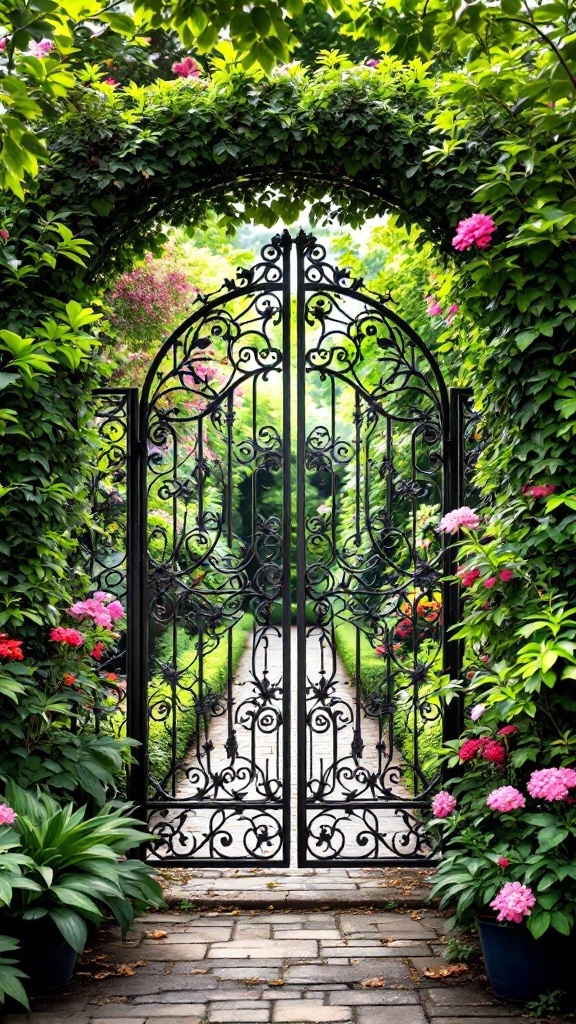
<point>215,677</point>
<point>372,668</point>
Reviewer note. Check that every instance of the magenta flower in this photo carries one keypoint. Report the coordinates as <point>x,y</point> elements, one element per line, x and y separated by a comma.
<point>505,799</point>
<point>187,68</point>
<point>467,576</point>
<point>477,711</point>
<point>551,783</point>
<point>513,902</point>
<point>475,230</point>
<point>459,517</point>
<point>3,43</point>
<point>470,748</point>
<point>452,310</point>
<point>508,730</point>
<point>41,49</point>
<point>433,306</point>
<point>443,804</point>
<point>7,815</point>
<point>503,862</point>
<point>62,635</point>
<point>372,63</point>
<point>506,575</point>
<point>494,751</point>
<point>538,490</point>
<point>490,582</point>
<point>111,82</point>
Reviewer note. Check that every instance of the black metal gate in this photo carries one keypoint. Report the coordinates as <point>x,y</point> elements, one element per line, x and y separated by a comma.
<point>279,484</point>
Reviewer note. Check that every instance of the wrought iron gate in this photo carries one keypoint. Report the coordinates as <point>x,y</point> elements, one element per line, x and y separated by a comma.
<point>294,448</point>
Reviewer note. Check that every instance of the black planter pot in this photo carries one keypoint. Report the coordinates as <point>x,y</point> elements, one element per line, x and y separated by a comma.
<point>519,967</point>
<point>43,954</point>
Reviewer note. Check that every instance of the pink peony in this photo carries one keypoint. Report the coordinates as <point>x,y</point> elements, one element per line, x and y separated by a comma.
<point>551,783</point>
<point>187,68</point>
<point>490,582</point>
<point>538,490</point>
<point>443,804</point>
<point>505,799</point>
<point>62,635</point>
<point>475,230</point>
<point>7,815</point>
<point>494,751</point>
<point>459,517</point>
<point>503,862</point>
<point>467,576</point>
<point>477,711</point>
<point>513,902</point>
<point>41,49</point>
<point>508,730</point>
<point>506,575</point>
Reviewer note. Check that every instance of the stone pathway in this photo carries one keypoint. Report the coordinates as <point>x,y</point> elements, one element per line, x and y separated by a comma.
<point>273,968</point>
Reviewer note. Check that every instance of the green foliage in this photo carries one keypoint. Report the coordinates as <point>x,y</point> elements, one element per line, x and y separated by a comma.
<point>71,868</point>
<point>10,974</point>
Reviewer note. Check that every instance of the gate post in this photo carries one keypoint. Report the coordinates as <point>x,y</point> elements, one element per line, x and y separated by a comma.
<point>455,496</point>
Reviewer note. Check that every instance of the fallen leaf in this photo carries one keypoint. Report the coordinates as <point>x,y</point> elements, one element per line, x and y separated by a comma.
<point>445,972</point>
<point>416,916</point>
<point>199,970</point>
<point>277,982</point>
<point>373,982</point>
<point>155,935</point>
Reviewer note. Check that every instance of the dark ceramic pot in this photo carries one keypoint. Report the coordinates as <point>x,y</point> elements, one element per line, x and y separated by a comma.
<point>519,967</point>
<point>43,954</point>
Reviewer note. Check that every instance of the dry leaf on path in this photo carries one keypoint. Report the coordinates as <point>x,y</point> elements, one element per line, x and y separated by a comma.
<point>373,983</point>
<point>445,972</point>
<point>277,982</point>
<point>155,935</point>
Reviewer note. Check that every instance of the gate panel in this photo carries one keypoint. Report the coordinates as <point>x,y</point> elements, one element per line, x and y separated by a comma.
<point>373,443</point>
<point>216,423</point>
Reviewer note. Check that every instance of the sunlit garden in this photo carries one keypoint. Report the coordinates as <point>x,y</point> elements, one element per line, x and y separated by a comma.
<point>287,509</point>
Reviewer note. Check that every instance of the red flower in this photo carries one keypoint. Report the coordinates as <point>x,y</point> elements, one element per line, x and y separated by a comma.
<point>508,730</point>
<point>11,650</point>
<point>503,862</point>
<point>111,82</point>
<point>538,490</point>
<point>69,679</point>
<point>467,576</point>
<point>98,650</point>
<point>404,628</point>
<point>62,635</point>
<point>494,751</point>
<point>490,582</point>
<point>506,575</point>
<point>470,748</point>
<point>4,234</point>
<point>110,677</point>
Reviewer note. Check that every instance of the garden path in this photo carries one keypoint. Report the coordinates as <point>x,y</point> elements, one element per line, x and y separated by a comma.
<point>343,719</point>
<point>335,967</point>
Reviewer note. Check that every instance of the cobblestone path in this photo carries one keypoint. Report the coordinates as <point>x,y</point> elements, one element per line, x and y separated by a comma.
<point>340,967</point>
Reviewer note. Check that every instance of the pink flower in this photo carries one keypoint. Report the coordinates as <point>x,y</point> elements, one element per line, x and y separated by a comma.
<point>450,315</point>
<point>513,902</point>
<point>494,751</point>
<point>505,798</point>
<point>381,649</point>
<point>111,82</point>
<point>490,581</point>
<point>506,575</point>
<point>372,63</point>
<point>538,490</point>
<point>115,610</point>
<point>62,635</point>
<point>102,595</point>
<point>324,509</point>
<point>503,862</point>
<point>7,815</point>
<point>443,804</point>
<point>485,658</point>
<point>3,43</point>
<point>475,230</point>
<point>4,234</point>
<point>434,307</point>
<point>41,49</point>
<point>470,748</point>
<point>551,783</point>
<point>467,576</point>
<point>459,517</point>
<point>508,730</point>
<point>477,711</point>
<point>187,68</point>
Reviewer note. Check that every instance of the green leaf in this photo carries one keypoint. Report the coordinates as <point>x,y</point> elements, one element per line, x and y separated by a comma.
<point>71,926</point>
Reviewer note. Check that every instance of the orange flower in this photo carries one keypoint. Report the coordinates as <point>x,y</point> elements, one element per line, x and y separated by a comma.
<point>69,679</point>
<point>110,677</point>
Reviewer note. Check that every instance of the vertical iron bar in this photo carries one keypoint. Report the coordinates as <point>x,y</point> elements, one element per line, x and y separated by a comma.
<point>137,603</point>
<point>301,544</point>
<point>453,650</point>
<point>286,544</point>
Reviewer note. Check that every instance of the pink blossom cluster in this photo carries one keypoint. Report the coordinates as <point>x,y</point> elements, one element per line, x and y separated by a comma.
<point>505,799</point>
<point>513,902</point>
<point>443,804</point>
<point>7,815</point>
<point>187,68</point>
<point>538,490</point>
<point>433,306</point>
<point>63,635</point>
<point>475,230</point>
<point>102,608</point>
<point>467,576</point>
<point>551,783</point>
<point>147,299</point>
<point>457,518</point>
<point>492,750</point>
<point>40,49</point>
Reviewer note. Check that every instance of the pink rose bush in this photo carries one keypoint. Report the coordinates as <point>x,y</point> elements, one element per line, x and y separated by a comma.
<point>475,230</point>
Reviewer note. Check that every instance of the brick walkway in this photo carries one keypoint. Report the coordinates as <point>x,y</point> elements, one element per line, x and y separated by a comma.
<point>274,968</point>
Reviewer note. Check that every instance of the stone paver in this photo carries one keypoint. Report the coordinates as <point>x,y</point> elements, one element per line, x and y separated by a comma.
<point>274,969</point>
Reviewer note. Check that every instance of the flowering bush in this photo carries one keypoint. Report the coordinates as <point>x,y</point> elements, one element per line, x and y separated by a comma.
<point>147,299</point>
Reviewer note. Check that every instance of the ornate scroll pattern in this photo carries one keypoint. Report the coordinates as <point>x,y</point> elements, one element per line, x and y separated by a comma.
<point>214,497</point>
<point>372,567</point>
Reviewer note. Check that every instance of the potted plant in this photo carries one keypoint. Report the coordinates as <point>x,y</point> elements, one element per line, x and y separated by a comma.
<point>509,862</point>
<point>71,871</point>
